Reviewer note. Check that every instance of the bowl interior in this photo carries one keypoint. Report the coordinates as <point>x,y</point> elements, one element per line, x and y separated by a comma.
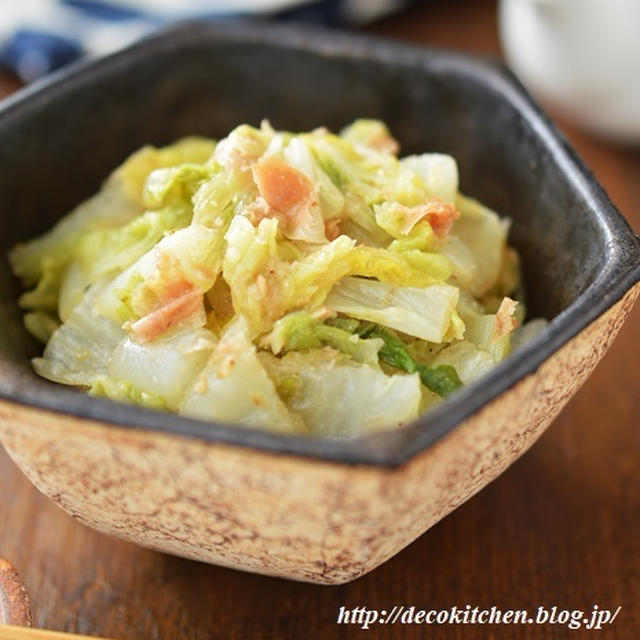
<point>57,145</point>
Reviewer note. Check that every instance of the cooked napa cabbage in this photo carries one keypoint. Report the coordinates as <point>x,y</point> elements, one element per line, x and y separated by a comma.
<point>340,397</point>
<point>307,283</point>
<point>233,386</point>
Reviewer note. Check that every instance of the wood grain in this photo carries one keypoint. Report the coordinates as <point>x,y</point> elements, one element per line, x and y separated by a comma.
<point>560,527</point>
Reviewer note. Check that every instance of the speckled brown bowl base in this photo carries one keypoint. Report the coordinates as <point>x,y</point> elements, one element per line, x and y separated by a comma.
<point>283,515</point>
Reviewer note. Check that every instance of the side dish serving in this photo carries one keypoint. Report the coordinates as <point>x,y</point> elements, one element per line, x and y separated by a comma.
<point>304,283</point>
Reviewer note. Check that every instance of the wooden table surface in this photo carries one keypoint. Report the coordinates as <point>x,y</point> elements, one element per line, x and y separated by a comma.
<point>560,527</point>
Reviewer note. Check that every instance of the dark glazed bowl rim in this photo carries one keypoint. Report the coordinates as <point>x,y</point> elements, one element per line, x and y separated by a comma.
<point>385,449</point>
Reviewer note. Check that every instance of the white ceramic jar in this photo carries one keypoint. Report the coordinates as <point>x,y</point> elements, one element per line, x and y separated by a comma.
<point>582,56</point>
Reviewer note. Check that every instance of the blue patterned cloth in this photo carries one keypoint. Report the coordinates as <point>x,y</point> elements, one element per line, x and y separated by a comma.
<point>38,36</point>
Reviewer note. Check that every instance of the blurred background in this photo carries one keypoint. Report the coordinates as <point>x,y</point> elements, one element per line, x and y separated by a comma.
<point>582,57</point>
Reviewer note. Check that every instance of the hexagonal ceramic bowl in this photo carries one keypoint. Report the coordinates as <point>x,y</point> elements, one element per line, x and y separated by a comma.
<point>318,510</point>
